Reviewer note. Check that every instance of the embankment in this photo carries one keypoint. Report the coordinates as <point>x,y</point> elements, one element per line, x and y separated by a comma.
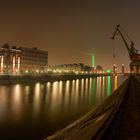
<point>12,79</point>
<point>94,124</point>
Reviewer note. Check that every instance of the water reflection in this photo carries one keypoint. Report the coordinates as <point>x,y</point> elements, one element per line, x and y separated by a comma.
<point>103,87</point>
<point>55,95</point>
<point>16,102</point>
<point>3,101</point>
<point>98,90</point>
<point>108,86</point>
<point>115,82</point>
<point>67,93</point>
<point>53,104</point>
<point>36,101</point>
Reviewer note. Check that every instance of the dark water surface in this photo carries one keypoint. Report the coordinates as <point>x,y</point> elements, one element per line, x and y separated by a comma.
<point>33,111</point>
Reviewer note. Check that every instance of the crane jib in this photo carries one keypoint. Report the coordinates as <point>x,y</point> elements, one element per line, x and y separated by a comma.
<point>130,48</point>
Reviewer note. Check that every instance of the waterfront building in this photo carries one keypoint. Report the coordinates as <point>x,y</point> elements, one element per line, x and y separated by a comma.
<point>66,68</point>
<point>22,60</point>
<point>114,69</point>
<point>99,69</point>
<point>71,68</point>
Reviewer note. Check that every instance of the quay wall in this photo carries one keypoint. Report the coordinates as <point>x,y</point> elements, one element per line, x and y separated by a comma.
<point>94,124</point>
<point>12,79</point>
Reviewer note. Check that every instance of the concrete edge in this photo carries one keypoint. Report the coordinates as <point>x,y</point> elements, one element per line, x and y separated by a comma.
<point>94,114</point>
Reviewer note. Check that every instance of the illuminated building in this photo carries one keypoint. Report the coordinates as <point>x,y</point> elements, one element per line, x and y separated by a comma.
<point>67,68</point>
<point>99,69</point>
<point>114,69</point>
<point>70,68</point>
<point>22,60</point>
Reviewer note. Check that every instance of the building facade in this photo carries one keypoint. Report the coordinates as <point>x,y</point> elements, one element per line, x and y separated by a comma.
<point>22,60</point>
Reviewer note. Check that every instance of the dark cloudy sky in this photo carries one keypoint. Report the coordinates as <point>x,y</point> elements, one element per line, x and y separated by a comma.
<point>71,29</point>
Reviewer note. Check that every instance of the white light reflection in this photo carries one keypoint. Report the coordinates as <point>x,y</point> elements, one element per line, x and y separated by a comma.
<point>98,90</point>
<point>116,82</point>
<point>60,93</point>
<point>103,86</point>
<point>37,99</point>
<point>48,92</point>
<point>3,102</point>
<point>82,88</point>
<point>17,94</point>
<point>27,90</point>
<point>77,86</point>
<point>67,92</point>
<point>76,92</point>
<point>73,89</point>
<point>17,101</point>
<point>48,87</point>
<point>60,87</point>
<point>54,99</point>
<point>86,88</point>
<point>90,88</point>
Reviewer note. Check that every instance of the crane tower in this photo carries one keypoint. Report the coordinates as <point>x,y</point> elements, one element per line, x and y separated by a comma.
<point>134,56</point>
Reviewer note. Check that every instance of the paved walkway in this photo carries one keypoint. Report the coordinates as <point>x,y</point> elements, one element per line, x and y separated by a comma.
<point>126,124</point>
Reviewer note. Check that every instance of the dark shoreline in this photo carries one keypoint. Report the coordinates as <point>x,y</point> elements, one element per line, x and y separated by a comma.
<point>13,79</point>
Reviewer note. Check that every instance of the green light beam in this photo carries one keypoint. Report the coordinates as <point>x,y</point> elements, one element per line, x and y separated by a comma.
<point>92,60</point>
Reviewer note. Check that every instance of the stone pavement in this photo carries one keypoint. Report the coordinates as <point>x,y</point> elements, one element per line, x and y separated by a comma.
<point>126,124</point>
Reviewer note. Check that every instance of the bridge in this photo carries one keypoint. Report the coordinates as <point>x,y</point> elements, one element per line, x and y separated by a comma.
<point>116,119</point>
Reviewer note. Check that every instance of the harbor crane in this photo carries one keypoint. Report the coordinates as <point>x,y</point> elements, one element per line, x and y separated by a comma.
<point>134,56</point>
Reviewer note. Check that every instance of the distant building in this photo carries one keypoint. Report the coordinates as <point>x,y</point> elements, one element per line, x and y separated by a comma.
<point>99,69</point>
<point>67,67</point>
<point>70,68</point>
<point>22,60</point>
<point>114,69</point>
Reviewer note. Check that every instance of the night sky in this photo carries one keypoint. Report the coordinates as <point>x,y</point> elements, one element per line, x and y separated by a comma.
<point>70,30</point>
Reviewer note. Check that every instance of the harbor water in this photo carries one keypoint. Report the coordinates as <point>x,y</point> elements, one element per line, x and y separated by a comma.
<point>34,111</point>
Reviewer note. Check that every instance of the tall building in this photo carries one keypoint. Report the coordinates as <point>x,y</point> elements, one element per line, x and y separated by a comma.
<point>22,60</point>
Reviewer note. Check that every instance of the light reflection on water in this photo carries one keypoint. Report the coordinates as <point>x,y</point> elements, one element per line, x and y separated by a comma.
<point>108,86</point>
<point>47,106</point>
<point>36,100</point>
<point>16,101</point>
<point>115,82</point>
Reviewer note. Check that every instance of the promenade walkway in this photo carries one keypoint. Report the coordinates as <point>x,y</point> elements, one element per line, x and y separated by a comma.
<point>118,118</point>
<point>126,124</point>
